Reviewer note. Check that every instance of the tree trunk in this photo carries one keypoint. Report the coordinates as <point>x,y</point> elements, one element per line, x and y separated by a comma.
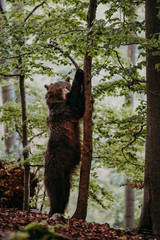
<point>129,206</point>
<point>2,5</point>
<point>129,192</point>
<point>25,146</point>
<point>81,210</point>
<point>150,214</point>
<point>26,196</point>
<point>8,93</point>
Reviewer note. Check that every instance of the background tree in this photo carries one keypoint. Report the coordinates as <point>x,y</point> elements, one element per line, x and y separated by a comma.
<point>8,93</point>
<point>129,190</point>
<point>151,209</point>
<point>15,69</point>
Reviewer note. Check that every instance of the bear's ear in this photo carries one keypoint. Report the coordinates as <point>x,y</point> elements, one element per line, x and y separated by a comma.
<point>46,86</point>
<point>67,79</point>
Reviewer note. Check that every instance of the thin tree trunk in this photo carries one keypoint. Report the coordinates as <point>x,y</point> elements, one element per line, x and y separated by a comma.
<point>5,93</point>
<point>26,196</point>
<point>129,191</point>
<point>81,210</point>
<point>150,214</point>
<point>25,145</point>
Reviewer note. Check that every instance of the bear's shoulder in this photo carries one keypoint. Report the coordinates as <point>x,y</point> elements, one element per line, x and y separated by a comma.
<point>60,108</point>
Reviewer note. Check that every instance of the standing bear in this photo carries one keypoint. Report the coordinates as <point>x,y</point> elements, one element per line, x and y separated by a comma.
<point>66,108</point>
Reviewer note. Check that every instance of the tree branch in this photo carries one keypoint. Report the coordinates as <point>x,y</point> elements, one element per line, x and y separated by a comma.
<point>34,9</point>
<point>37,135</point>
<point>55,46</point>
<point>134,80</point>
<point>10,75</point>
<point>130,143</point>
<point>18,131</point>
<point>71,31</point>
<point>135,137</point>
<point>36,165</point>
<point>17,56</point>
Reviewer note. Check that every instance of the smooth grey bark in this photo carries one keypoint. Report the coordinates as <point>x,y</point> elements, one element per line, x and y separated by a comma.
<point>8,93</point>
<point>2,5</point>
<point>129,206</point>
<point>129,191</point>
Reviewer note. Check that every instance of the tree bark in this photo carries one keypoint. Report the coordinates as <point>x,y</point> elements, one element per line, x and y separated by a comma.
<point>26,193</point>
<point>2,5</point>
<point>129,191</point>
<point>8,93</point>
<point>150,214</point>
<point>81,210</point>
<point>25,145</point>
<point>129,206</point>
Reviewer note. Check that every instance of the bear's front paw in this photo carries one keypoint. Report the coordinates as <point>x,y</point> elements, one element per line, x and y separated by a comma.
<point>79,71</point>
<point>79,75</point>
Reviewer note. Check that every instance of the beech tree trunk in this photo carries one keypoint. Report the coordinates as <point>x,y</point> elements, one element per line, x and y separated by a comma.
<point>150,215</point>
<point>8,93</point>
<point>129,206</point>
<point>129,191</point>
<point>81,210</point>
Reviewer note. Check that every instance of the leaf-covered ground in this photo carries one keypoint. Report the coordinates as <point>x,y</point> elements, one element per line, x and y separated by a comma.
<point>15,220</point>
<point>12,185</point>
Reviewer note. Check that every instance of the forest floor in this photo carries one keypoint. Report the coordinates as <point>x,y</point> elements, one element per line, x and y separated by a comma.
<point>12,221</point>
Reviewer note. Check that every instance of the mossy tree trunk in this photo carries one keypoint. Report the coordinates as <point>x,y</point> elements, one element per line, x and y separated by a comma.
<point>26,197</point>
<point>25,146</point>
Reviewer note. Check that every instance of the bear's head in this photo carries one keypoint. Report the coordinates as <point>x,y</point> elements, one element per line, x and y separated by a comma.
<point>57,92</point>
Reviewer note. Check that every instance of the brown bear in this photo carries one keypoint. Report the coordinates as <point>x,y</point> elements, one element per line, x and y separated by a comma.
<point>66,107</point>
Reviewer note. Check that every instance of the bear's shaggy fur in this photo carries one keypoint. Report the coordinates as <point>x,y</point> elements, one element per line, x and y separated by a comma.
<point>66,107</point>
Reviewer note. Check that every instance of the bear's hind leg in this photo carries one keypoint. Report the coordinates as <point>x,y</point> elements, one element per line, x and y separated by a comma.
<point>66,192</point>
<point>59,195</point>
<point>55,192</point>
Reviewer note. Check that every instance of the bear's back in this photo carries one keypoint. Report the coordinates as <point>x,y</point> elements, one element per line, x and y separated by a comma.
<point>62,123</point>
<point>64,134</point>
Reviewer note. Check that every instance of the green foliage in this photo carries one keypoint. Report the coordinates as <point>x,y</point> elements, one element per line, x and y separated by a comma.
<point>29,35</point>
<point>119,139</point>
<point>100,196</point>
<point>11,117</point>
<point>119,133</point>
